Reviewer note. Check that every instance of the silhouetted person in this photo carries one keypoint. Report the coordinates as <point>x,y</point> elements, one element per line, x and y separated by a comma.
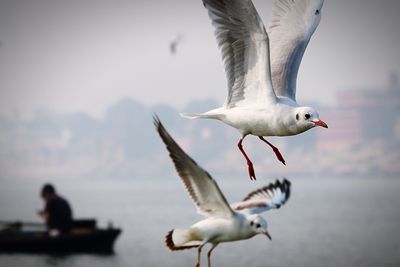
<point>57,212</point>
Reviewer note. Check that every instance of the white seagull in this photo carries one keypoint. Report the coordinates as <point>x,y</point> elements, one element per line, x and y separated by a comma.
<point>261,68</point>
<point>224,222</point>
<point>174,44</point>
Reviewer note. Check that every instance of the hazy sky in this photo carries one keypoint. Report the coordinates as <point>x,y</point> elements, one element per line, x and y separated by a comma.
<point>86,55</point>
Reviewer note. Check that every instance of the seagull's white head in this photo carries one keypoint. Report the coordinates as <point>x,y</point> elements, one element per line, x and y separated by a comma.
<point>307,118</point>
<point>258,225</point>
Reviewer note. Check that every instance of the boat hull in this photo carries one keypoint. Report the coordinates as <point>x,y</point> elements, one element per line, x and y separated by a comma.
<point>94,241</point>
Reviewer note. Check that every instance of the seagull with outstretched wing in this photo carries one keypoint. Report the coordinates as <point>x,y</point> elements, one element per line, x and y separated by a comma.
<point>261,68</point>
<point>223,222</point>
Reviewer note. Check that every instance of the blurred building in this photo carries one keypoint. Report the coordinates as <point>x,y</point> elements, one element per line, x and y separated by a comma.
<point>362,115</point>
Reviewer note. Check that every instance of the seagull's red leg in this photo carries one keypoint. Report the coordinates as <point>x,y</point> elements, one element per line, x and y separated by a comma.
<point>275,149</point>
<point>209,254</point>
<point>198,256</point>
<point>249,163</point>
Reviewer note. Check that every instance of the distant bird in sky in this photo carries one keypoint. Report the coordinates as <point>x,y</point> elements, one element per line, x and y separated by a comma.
<point>224,222</point>
<point>174,44</point>
<point>261,68</point>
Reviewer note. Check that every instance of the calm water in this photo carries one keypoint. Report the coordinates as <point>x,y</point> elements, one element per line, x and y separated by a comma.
<point>327,222</point>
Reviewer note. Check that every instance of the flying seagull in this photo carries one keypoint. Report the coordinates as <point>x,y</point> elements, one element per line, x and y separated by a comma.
<point>261,68</point>
<point>223,222</point>
<point>174,44</point>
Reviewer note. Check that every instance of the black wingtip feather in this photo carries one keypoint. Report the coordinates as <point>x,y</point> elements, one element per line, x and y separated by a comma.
<point>157,122</point>
<point>284,186</point>
<point>167,139</point>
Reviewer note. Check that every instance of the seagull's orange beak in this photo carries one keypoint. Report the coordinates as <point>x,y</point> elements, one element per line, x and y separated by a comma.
<point>320,123</point>
<point>267,235</point>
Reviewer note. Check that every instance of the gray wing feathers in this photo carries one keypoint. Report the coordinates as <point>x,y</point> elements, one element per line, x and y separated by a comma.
<point>292,25</point>
<point>244,46</point>
<point>272,196</point>
<point>201,187</point>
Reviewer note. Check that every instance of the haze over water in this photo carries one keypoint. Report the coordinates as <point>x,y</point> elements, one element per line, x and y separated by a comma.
<point>326,222</point>
<point>80,81</point>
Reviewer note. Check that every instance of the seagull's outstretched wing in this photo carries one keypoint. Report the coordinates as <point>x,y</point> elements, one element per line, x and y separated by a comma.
<point>200,185</point>
<point>272,196</point>
<point>244,46</point>
<point>292,25</point>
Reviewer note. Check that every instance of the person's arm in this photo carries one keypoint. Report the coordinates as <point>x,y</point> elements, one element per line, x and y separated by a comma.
<point>44,215</point>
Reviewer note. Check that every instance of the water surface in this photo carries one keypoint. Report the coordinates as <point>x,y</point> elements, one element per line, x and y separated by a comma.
<point>327,222</point>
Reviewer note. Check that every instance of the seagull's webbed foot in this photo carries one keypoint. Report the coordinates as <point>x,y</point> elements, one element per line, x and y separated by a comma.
<point>252,173</point>
<point>275,149</point>
<point>279,155</point>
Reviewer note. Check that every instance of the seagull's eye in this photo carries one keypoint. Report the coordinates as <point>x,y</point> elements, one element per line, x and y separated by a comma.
<point>251,223</point>
<point>317,12</point>
<point>307,116</point>
<point>297,116</point>
<point>258,225</point>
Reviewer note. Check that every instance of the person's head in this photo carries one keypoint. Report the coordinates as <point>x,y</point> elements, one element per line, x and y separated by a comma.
<point>48,191</point>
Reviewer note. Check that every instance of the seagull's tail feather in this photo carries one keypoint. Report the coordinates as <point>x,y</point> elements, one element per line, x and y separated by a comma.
<point>192,115</point>
<point>212,114</point>
<point>178,239</point>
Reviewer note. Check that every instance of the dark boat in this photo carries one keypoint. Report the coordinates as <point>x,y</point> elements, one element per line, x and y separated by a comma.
<point>84,237</point>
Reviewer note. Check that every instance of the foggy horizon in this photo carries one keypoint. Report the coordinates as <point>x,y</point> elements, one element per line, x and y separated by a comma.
<point>83,56</point>
<point>80,82</point>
